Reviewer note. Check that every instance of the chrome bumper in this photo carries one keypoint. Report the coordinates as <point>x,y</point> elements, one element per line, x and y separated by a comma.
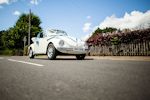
<point>72,50</point>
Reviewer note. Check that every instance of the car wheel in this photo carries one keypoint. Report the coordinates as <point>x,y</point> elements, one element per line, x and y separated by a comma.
<point>31,55</point>
<point>80,57</point>
<point>51,52</point>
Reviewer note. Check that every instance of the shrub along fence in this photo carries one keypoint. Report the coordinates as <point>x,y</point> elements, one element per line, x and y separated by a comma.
<point>131,49</point>
<point>12,52</point>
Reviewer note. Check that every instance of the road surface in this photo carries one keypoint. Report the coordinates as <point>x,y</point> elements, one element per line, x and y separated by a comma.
<point>22,78</point>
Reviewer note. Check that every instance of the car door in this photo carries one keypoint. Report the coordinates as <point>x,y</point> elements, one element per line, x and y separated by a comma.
<point>36,43</point>
<point>41,44</point>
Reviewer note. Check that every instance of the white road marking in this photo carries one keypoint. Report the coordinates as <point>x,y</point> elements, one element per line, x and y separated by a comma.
<point>25,62</point>
<point>1,58</point>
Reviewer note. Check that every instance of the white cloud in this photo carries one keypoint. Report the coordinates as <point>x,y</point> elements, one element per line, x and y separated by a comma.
<point>4,1</point>
<point>17,13</point>
<point>34,2</point>
<point>88,17</point>
<point>86,37</point>
<point>132,20</point>
<point>86,27</point>
<point>7,1</point>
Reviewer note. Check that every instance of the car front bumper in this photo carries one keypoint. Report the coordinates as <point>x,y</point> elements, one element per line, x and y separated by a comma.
<point>72,50</point>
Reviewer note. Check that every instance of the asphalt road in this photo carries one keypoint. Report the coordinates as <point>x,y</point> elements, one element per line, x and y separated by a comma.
<point>22,78</point>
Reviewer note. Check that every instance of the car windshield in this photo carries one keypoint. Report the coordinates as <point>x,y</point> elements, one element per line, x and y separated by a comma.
<point>56,32</point>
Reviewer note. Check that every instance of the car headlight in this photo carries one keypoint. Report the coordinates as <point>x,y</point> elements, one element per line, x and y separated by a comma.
<point>61,42</point>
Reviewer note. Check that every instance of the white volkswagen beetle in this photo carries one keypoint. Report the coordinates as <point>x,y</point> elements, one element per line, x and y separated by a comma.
<point>57,42</point>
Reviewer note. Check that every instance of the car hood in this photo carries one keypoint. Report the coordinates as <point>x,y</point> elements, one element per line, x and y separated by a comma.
<point>72,41</point>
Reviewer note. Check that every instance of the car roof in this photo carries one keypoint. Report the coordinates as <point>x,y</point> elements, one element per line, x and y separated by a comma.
<point>55,32</point>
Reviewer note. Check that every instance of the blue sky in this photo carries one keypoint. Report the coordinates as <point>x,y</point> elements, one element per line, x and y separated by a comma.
<point>69,15</point>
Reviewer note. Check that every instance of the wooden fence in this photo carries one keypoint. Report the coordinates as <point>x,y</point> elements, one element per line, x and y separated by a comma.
<point>132,49</point>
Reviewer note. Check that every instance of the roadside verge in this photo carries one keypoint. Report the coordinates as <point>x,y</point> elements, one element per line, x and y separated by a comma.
<point>130,58</point>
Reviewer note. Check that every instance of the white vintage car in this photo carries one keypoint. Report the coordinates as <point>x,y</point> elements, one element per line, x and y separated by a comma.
<point>57,42</point>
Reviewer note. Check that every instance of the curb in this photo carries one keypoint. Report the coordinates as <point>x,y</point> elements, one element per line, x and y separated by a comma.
<point>129,58</point>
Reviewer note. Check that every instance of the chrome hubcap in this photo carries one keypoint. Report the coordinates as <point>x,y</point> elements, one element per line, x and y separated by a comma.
<point>50,52</point>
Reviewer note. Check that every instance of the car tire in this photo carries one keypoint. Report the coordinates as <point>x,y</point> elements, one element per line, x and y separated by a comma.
<point>31,55</point>
<point>80,57</point>
<point>51,52</point>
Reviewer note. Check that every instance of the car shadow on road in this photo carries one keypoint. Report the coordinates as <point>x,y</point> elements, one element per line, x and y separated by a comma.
<point>72,59</point>
<point>64,59</point>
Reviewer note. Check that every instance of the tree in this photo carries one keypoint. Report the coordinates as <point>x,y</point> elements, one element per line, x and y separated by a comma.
<point>13,37</point>
<point>98,35</point>
<point>22,25</point>
<point>109,29</point>
<point>8,38</point>
<point>1,42</point>
<point>97,31</point>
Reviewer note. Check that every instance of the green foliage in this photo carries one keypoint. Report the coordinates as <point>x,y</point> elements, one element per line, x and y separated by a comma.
<point>13,37</point>
<point>1,42</point>
<point>22,25</point>
<point>107,29</point>
<point>6,52</point>
<point>11,52</point>
<point>98,30</point>
<point>115,40</point>
<point>120,37</point>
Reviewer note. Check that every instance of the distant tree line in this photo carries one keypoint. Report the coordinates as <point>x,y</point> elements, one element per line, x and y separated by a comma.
<point>12,39</point>
<point>112,36</point>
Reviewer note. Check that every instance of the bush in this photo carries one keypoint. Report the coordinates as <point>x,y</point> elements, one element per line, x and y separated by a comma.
<point>18,52</point>
<point>13,52</point>
<point>116,38</point>
<point>6,52</point>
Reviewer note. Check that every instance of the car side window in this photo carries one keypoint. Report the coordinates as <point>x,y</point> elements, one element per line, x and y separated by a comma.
<point>40,35</point>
